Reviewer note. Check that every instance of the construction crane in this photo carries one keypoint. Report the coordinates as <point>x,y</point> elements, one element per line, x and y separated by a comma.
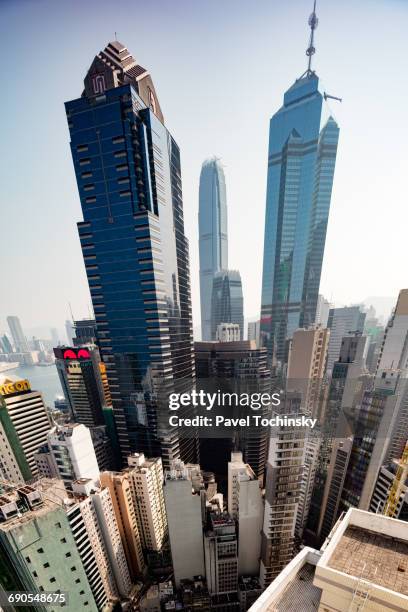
<point>399,479</point>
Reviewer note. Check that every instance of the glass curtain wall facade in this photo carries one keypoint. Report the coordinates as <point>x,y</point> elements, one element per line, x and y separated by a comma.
<point>227,302</point>
<point>127,167</point>
<point>213,236</point>
<point>301,163</point>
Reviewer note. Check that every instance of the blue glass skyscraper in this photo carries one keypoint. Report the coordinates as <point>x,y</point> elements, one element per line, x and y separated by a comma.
<point>301,161</point>
<point>227,301</point>
<point>213,235</point>
<point>127,167</point>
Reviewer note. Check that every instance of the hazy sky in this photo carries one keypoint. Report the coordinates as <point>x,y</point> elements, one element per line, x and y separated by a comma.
<point>220,68</point>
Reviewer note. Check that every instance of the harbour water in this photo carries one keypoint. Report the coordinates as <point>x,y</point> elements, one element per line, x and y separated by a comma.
<point>42,378</point>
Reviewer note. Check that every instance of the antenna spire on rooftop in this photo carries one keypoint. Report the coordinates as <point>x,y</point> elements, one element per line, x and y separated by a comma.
<point>310,51</point>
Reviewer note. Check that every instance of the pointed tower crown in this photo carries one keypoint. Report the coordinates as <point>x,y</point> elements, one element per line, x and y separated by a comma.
<point>114,67</point>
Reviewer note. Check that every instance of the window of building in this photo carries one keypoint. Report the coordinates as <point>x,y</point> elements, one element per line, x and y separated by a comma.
<point>28,559</point>
<point>52,579</point>
<point>46,564</point>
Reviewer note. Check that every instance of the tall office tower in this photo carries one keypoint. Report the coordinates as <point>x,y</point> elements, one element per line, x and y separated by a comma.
<point>227,302</point>
<point>81,381</point>
<point>127,168</point>
<point>73,453</point>
<point>55,337</point>
<point>103,506</point>
<point>245,505</point>
<point>147,489</point>
<point>85,332</point>
<point>213,235</point>
<point>301,161</point>
<point>237,367</point>
<point>228,332</point>
<point>19,339</point>
<point>359,568</point>
<point>394,350</point>
<point>384,485</point>
<point>221,554</point>
<point>24,423</point>
<point>88,537</point>
<point>341,322</point>
<point>306,366</point>
<point>120,487</point>
<point>253,331</point>
<point>184,516</point>
<point>322,311</point>
<point>69,330</point>
<point>38,551</point>
<point>282,493</point>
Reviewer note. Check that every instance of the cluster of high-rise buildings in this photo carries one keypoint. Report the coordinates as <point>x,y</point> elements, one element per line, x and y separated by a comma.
<point>100,497</point>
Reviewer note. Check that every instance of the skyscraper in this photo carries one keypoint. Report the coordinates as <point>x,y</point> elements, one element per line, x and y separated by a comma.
<point>213,236</point>
<point>227,302</point>
<point>301,160</point>
<point>19,339</point>
<point>341,322</point>
<point>127,167</point>
<point>24,425</point>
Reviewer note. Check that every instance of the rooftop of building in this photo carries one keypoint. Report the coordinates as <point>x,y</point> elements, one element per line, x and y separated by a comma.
<point>378,558</point>
<point>31,502</point>
<point>293,588</point>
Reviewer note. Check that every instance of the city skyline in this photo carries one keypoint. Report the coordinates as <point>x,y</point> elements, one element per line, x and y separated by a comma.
<point>353,186</point>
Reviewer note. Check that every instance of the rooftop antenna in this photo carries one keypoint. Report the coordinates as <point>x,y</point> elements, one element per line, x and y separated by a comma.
<point>310,51</point>
<point>70,310</point>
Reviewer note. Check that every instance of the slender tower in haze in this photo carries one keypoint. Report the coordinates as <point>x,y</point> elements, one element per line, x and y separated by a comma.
<point>213,235</point>
<point>301,160</point>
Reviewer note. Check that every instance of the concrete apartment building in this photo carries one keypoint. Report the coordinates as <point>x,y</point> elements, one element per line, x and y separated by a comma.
<point>120,487</point>
<point>185,523</point>
<point>363,565</point>
<point>245,505</point>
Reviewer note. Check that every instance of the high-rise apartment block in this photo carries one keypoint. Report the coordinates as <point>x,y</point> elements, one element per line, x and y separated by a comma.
<point>185,522</point>
<point>86,530</point>
<point>147,482</point>
<point>123,497</point>
<point>306,365</point>
<point>342,321</point>
<point>213,236</point>
<point>127,167</point>
<point>221,555</point>
<point>103,506</point>
<point>245,505</point>
<point>394,350</point>
<point>284,471</point>
<point>24,425</point>
<point>37,540</point>
<point>73,454</point>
